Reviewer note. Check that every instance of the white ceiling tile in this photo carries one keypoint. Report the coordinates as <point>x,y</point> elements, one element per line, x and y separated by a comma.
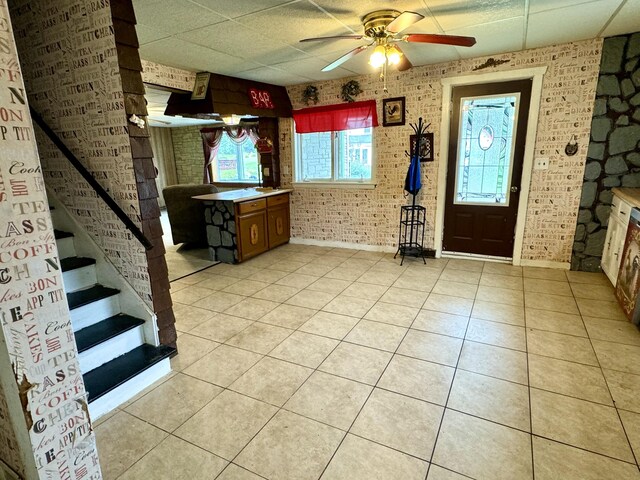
<point>272,75</point>
<point>291,23</point>
<point>536,6</point>
<point>238,8</point>
<point>425,53</point>
<point>585,20</point>
<point>456,14</point>
<point>497,37</point>
<point>149,34</point>
<point>312,68</point>
<point>223,37</point>
<point>180,54</point>
<point>174,16</point>
<point>351,13</point>
<point>627,20</point>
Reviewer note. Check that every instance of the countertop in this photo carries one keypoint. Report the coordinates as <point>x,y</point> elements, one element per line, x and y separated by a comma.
<point>242,195</point>
<point>629,195</point>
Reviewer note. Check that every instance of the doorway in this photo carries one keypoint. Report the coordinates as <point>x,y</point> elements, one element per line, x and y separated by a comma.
<point>487,137</point>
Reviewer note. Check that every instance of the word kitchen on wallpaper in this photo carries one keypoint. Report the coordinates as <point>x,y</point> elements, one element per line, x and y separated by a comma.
<point>34,315</point>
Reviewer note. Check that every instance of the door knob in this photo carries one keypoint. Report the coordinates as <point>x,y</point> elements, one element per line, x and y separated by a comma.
<point>514,189</point>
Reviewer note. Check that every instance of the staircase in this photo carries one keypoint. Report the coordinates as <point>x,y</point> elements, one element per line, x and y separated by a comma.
<point>116,333</point>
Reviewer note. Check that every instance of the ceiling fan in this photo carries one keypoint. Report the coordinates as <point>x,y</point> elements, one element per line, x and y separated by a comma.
<point>383,28</point>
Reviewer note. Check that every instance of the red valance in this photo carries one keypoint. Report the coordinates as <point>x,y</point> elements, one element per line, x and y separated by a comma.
<point>343,116</point>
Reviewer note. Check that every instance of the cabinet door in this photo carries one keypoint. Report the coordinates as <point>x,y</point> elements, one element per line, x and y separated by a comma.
<point>278,225</point>
<point>613,246</point>
<point>607,254</point>
<point>252,234</point>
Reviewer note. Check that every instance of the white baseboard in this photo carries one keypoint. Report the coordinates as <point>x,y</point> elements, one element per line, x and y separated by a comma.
<point>128,389</point>
<point>337,244</point>
<point>66,247</point>
<point>79,278</point>
<point>545,264</point>
<point>94,312</point>
<point>111,349</point>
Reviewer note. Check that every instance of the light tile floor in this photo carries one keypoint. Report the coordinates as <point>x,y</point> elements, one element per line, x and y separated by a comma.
<point>318,363</point>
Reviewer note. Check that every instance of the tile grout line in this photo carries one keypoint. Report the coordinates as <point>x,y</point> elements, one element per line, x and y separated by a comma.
<point>624,430</point>
<point>280,408</point>
<point>526,344</point>
<point>453,378</point>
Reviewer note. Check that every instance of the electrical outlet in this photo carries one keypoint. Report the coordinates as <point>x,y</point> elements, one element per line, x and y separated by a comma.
<point>541,163</point>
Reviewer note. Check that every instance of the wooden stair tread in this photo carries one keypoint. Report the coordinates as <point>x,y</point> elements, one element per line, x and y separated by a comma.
<point>59,234</point>
<point>89,295</point>
<point>111,375</point>
<point>72,263</point>
<point>105,330</point>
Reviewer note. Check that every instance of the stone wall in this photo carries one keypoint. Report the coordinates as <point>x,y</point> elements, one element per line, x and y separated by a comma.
<point>188,153</point>
<point>221,231</point>
<point>371,216</point>
<point>613,158</point>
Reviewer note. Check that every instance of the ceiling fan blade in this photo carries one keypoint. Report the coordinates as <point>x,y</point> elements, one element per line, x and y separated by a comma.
<point>345,57</point>
<point>334,37</point>
<point>404,20</point>
<point>405,63</point>
<point>441,39</point>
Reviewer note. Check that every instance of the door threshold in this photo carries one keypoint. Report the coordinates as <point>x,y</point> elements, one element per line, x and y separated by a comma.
<point>477,256</point>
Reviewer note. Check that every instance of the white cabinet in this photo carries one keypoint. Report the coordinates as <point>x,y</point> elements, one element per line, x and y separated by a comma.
<point>614,242</point>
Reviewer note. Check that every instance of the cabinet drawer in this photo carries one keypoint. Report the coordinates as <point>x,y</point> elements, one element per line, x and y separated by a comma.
<point>620,210</point>
<point>252,206</point>
<point>278,200</point>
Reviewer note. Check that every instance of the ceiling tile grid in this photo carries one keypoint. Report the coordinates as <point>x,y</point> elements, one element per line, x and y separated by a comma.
<point>262,37</point>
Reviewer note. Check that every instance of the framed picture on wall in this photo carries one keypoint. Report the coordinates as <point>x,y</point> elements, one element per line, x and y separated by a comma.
<point>426,146</point>
<point>393,111</point>
<point>200,86</point>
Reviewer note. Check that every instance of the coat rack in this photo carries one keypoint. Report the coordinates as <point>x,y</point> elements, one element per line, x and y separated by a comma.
<point>413,217</point>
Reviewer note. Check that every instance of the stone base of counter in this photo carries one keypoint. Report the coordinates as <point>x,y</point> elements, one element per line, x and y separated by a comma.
<point>221,231</point>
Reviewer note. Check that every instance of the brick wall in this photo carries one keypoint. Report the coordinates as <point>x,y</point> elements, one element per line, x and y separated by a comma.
<point>187,150</point>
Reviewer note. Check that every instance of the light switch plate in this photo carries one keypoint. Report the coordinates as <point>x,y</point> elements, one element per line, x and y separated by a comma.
<point>541,163</point>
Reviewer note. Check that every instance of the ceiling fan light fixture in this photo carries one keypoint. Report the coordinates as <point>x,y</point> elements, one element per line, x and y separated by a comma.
<point>378,58</point>
<point>393,55</point>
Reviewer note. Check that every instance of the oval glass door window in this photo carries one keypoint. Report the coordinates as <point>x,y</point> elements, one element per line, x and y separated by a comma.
<point>485,138</point>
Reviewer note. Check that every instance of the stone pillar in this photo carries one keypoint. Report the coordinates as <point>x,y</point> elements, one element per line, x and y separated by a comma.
<point>613,159</point>
<point>45,428</point>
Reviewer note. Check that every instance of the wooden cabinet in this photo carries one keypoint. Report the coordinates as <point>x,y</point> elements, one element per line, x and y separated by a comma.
<point>262,224</point>
<point>278,225</point>
<point>278,220</point>
<point>252,234</point>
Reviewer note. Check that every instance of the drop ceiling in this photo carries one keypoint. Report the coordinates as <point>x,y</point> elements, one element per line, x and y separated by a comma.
<point>259,39</point>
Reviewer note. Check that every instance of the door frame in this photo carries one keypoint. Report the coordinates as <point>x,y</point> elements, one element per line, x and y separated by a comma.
<point>536,74</point>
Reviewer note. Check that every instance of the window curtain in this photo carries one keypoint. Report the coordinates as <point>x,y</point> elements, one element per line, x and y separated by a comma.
<point>211,138</point>
<point>162,146</point>
<point>210,143</point>
<point>343,116</point>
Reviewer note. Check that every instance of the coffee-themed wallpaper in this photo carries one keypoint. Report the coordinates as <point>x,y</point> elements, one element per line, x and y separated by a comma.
<point>45,430</point>
<point>74,83</point>
<point>371,216</point>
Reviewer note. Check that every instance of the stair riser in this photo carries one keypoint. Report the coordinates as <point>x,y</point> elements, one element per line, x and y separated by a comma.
<point>79,278</point>
<point>112,348</point>
<point>66,248</point>
<point>93,313</point>
<point>129,389</point>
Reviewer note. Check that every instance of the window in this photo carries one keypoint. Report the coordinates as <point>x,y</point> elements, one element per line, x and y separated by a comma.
<point>344,156</point>
<point>235,162</point>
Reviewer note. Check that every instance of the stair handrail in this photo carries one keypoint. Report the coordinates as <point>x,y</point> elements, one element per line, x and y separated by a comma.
<point>102,193</point>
